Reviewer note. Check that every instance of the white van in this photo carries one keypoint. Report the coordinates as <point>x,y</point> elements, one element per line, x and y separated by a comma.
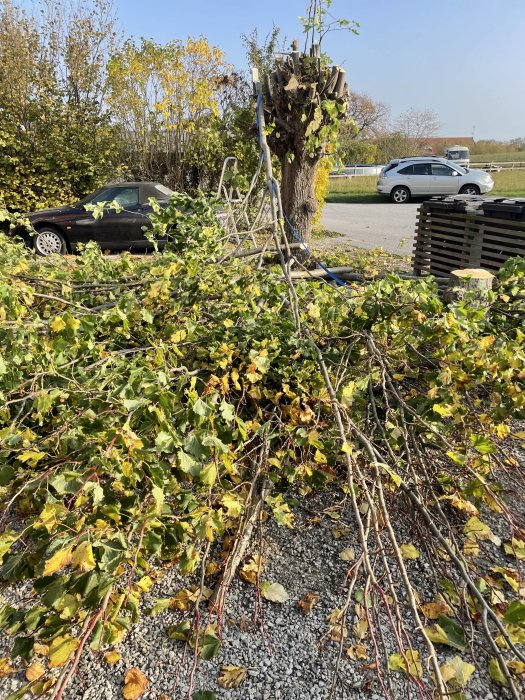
<point>459,155</point>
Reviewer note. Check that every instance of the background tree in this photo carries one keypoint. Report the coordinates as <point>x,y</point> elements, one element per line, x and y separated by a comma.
<point>417,124</point>
<point>57,141</point>
<point>166,99</point>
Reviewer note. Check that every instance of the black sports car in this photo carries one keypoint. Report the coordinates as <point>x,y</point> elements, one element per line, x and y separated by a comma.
<point>61,229</point>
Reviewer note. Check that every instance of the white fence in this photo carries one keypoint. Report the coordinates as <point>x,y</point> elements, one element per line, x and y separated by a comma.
<point>503,164</point>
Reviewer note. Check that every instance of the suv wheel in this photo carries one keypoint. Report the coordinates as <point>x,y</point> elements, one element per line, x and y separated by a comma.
<point>400,195</point>
<point>469,189</point>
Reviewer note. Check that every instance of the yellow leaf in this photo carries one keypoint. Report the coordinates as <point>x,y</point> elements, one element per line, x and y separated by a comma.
<point>35,671</point>
<point>58,561</point>
<point>57,324</point>
<point>516,667</point>
<point>436,634</point>
<point>458,671</point>
<point>234,506</point>
<point>361,629</point>
<point>5,667</point>
<point>112,657</point>
<point>50,516</point>
<point>434,609</point>
<point>232,676</point>
<point>82,557</point>
<point>31,457</point>
<point>357,651</point>
<point>408,551</point>
<point>250,570</point>
<point>347,554</point>
<point>41,649</point>
<point>408,662</point>
<point>516,548</point>
<point>61,649</point>
<point>476,530</point>
<point>135,684</point>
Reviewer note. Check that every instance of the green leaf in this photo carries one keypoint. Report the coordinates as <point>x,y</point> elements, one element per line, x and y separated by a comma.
<point>515,613</point>
<point>204,695</point>
<point>497,674</point>
<point>446,631</point>
<point>209,647</point>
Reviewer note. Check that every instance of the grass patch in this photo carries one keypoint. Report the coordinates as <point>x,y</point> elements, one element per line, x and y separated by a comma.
<point>498,157</point>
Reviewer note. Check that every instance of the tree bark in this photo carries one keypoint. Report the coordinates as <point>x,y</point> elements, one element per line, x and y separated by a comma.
<point>298,196</point>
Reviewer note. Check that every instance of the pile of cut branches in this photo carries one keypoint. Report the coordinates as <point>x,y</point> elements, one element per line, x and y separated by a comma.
<point>152,408</point>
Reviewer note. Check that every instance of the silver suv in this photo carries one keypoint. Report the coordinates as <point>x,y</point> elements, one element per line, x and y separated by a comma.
<point>404,178</point>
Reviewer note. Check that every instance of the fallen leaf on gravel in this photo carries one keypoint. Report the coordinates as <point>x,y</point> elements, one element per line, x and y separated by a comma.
<point>204,695</point>
<point>308,602</point>
<point>434,609</point>
<point>61,649</point>
<point>496,673</point>
<point>5,667</point>
<point>516,667</point>
<point>357,651</point>
<point>275,593</point>
<point>361,629</point>
<point>446,632</point>
<point>334,616</point>
<point>41,649</point>
<point>337,632</point>
<point>40,688</point>
<point>408,551</point>
<point>35,671</point>
<point>516,548</point>
<point>347,554</point>
<point>340,531</point>
<point>135,684</point>
<point>111,657</point>
<point>250,571</point>
<point>457,671</point>
<point>232,676</point>
<point>408,662</point>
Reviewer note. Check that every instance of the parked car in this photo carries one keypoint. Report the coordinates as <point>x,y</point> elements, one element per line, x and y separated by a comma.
<point>492,168</point>
<point>405,178</point>
<point>60,230</point>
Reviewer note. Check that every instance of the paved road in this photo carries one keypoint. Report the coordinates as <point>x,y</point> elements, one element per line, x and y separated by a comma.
<point>385,225</point>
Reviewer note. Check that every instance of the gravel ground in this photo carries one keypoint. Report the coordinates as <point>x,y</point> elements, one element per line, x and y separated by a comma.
<point>287,657</point>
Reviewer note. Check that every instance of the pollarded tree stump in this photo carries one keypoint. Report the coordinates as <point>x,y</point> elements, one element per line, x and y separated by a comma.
<point>474,281</point>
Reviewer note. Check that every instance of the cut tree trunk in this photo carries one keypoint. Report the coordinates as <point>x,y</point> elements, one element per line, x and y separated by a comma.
<point>298,196</point>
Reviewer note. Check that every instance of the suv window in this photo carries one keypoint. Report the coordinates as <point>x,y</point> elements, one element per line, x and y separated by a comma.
<point>438,169</point>
<point>416,169</point>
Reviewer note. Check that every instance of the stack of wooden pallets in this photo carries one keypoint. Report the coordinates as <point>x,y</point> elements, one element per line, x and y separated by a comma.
<point>467,232</point>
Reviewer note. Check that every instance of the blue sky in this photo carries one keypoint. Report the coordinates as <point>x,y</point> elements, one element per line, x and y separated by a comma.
<point>462,58</point>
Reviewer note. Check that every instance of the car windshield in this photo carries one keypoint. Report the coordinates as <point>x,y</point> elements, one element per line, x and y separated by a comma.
<point>164,190</point>
<point>458,155</point>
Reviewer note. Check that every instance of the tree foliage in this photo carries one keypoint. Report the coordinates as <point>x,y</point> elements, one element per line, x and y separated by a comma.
<point>167,100</point>
<point>56,139</point>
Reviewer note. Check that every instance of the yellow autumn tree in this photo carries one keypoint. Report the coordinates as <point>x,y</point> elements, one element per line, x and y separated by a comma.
<point>166,99</point>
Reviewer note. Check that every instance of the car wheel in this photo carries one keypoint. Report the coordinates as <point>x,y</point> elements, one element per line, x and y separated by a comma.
<point>48,241</point>
<point>400,195</point>
<point>469,189</point>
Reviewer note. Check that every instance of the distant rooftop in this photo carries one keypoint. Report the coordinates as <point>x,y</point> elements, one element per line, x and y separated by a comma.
<point>435,145</point>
